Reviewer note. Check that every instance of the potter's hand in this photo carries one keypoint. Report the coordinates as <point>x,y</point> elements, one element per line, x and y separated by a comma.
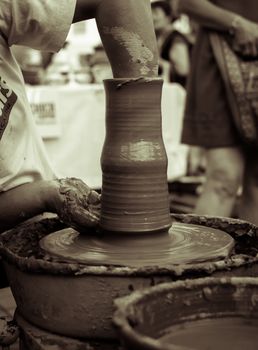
<point>76,204</point>
<point>245,40</point>
<point>9,332</point>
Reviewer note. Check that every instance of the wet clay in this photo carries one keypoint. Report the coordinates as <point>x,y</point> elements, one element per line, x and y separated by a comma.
<point>198,314</point>
<point>134,195</point>
<point>138,52</point>
<point>183,244</point>
<point>20,246</point>
<point>213,334</point>
<point>35,275</point>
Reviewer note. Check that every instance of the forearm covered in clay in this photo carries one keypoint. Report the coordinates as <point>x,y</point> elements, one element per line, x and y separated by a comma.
<point>127,33</point>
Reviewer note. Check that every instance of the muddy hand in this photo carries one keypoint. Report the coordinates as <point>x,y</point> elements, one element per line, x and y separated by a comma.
<point>9,332</point>
<point>77,205</point>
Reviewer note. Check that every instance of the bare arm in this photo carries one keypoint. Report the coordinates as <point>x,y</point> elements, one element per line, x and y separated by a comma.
<point>244,32</point>
<point>74,202</point>
<point>23,202</point>
<point>207,13</point>
<point>180,57</point>
<point>85,9</point>
<point>127,33</point>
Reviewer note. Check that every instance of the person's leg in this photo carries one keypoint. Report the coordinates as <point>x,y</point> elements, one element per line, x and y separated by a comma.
<point>249,200</point>
<point>224,175</point>
<point>127,33</point>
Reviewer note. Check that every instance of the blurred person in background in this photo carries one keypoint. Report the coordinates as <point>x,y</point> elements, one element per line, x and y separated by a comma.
<point>221,107</point>
<point>174,45</point>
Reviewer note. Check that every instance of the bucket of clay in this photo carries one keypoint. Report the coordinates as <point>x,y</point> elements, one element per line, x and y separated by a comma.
<point>206,313</point>
<point>76,300</point>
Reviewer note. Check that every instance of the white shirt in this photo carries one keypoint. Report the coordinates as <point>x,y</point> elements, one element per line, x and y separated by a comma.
<point>42,25</point>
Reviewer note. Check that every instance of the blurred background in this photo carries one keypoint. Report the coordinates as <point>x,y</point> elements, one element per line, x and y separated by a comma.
<point>66,94</point>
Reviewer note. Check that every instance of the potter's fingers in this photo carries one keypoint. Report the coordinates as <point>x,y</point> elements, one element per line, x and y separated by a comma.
<point>9,332</point>
<point>94,198</point>
<point>84,191</point>
<point>83,218</point>
<point>78,217</point>
<point>94,210</point>
<point>77,184</point>
<point>77,191</point>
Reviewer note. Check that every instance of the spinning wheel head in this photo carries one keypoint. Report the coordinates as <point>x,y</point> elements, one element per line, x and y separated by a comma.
<point>183,244</point>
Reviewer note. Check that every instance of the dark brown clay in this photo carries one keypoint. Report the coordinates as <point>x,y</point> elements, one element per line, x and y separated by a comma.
<point>134,160</point>
<point>77,299</point>
<point>183,244</point>
<point>206,313</point>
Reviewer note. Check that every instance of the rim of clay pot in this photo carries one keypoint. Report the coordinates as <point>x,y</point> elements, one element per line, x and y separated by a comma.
<point>238,229</point>
<point>122,82</point>
<point>134,80</point>
<point>124,317</point>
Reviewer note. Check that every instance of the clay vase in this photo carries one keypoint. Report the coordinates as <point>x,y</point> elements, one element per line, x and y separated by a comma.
<point>134,161</point>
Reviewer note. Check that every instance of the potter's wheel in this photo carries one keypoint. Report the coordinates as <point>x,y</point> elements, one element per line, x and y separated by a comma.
<point>183,244</point>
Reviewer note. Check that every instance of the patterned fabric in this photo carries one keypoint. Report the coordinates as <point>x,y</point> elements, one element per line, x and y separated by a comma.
<point>208,120</point>
<point>241,81</point>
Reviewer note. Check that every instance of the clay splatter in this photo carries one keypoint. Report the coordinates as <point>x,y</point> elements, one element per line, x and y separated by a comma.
<point>134,45</point>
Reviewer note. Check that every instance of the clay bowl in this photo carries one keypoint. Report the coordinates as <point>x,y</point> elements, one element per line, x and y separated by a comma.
<point>76,300</point>
<point>206,313</point>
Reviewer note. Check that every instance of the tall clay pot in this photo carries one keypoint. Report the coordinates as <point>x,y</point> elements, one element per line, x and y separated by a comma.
<point>134,161</point>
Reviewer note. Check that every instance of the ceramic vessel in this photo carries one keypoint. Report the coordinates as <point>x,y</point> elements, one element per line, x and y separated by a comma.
<point>134,161</point>
<point>76,300</point>
<point>206,313</point>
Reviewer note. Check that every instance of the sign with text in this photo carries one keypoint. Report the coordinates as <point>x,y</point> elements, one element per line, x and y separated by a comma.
<point>44,110</point>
